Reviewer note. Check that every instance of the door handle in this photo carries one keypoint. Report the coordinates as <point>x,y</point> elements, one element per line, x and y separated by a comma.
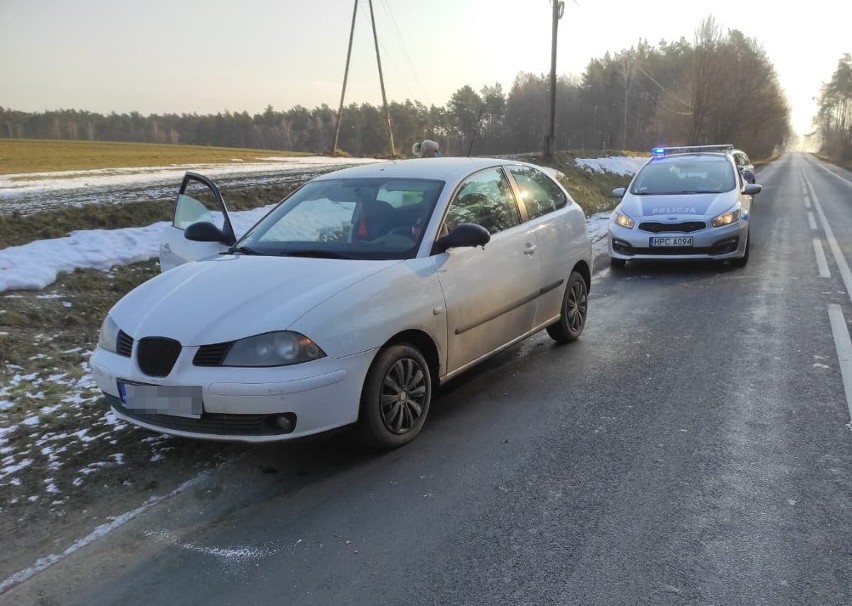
<point>529,249</point>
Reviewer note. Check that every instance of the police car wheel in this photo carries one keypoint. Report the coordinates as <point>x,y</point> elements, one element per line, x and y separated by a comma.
<point>741,262</point>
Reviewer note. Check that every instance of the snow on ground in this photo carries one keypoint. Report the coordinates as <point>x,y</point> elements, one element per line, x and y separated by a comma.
<point>37,264</point>
<point>621,165</point>
<point>13,185</point>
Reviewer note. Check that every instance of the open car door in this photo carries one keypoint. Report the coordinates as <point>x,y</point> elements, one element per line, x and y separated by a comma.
<point>200,205</point>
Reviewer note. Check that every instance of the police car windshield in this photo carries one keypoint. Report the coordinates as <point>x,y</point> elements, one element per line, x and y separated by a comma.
<point>696,176</point>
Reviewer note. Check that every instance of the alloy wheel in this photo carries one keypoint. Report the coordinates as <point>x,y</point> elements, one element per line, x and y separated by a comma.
<point>403,395</point>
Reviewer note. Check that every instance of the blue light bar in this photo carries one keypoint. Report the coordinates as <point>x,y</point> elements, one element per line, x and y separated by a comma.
<point>690,149</point>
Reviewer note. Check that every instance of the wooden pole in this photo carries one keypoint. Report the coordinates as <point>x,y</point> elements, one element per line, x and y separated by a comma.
<point>550,143</point>
<point>382,80</point>
<point>345,77</point>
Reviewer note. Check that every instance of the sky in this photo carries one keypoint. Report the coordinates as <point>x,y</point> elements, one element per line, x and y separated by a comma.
<point>206,56</point>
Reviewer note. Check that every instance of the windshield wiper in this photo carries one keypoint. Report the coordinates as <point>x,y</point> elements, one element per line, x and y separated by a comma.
<point>319,254</point>
<point>241,249</point>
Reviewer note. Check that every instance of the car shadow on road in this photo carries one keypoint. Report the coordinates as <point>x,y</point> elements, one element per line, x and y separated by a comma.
<point>674,268</point>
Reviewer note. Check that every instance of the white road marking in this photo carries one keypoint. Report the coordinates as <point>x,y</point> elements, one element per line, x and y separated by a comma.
<point>822,265</point>
<point>49,560</point>
<point>812,221</point>
<point>833,174</point>
<point>842,265</point>
<point>844,350</point>
<point>807,202</point>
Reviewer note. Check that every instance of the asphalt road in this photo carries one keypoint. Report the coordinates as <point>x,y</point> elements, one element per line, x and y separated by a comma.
<point>694,447</point>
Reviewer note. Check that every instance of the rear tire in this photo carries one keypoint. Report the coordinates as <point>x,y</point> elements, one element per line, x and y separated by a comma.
<point>395,399</point>
<point>575,307</point>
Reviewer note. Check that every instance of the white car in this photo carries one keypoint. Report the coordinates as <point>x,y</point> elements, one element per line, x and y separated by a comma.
<point>686,203</point>
<point>347,304</point>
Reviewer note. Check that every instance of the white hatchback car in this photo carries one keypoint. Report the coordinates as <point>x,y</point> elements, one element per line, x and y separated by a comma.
<point>347,303</point>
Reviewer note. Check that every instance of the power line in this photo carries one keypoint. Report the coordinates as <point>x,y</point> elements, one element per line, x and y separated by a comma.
<point>662,88</point>
<point>407,57</point>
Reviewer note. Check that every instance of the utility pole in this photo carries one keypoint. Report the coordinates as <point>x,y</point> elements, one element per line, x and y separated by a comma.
<point>550,143</point>
<point>345,77</point>
<point>382,80</point>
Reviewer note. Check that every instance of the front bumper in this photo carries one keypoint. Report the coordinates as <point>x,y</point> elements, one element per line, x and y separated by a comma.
<point>243,404</point>
<point>710,243</point>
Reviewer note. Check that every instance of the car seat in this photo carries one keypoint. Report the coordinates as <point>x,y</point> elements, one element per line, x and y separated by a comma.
<point>375,219</point>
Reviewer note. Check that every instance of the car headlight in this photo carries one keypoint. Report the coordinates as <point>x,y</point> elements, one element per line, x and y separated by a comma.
<point>623,220</point>
<point>732,216</point>
<point>280,348</point>
<point>108,337</point>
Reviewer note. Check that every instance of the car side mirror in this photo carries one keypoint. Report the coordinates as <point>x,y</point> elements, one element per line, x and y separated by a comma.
<point>618,192</point>
<point>752,189</point>
<point>203,231</point>
<point>463,235</point>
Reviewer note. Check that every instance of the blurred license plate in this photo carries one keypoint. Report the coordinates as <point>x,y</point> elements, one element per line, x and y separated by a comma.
<point>172,400</point>
<point>670,241</point>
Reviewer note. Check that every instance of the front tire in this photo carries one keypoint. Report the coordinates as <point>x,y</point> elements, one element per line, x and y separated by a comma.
<point>575,307</point>
<point>741,262</point>
<point>395,399</point>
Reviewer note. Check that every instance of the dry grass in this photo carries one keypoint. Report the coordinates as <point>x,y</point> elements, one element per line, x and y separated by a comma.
<point>590,190</point>
<point>33,156</point>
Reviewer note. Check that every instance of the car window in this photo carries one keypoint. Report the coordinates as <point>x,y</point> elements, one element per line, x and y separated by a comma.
<point>321,220</point>
<point>741,159</point>
<point>486,199</point>
<point>698,176</point>
<point>358,218</point>
<point>197,203</point>
<point>539,192</point>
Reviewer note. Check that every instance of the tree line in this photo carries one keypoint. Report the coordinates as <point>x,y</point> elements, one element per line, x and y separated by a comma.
<point>834,117</point>
<point>720,88</point>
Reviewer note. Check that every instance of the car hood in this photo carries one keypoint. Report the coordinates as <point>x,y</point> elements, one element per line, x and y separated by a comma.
<point>232,297</point>
<point>671,205</point>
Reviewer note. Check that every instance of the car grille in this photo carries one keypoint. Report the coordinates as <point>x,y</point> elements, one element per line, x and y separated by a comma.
<point>675,250</point>
<point>209,423</point>
<point>157,355</point>
<point>211,355</point>
<point>684,228</point>
<point>124,344</point>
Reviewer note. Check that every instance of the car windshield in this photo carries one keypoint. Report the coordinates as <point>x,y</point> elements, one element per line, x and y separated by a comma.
<point>705,176</point>
<point>366,218</point>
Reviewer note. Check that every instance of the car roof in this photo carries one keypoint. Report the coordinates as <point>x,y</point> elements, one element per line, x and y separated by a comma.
<point>691,157</point>
<point>444,169</point>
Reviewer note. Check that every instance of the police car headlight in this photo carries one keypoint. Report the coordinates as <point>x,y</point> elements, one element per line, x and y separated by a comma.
<point>732,216</point>
<point>623,220</point>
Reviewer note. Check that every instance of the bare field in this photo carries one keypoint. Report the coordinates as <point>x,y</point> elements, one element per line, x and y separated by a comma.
<point>22,156</point>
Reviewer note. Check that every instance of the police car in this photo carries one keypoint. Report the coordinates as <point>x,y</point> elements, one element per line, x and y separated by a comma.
<point>686,203</point>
